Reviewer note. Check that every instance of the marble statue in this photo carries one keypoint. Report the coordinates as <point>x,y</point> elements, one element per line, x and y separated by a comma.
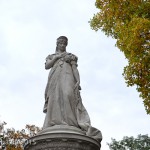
<point>63,103</point>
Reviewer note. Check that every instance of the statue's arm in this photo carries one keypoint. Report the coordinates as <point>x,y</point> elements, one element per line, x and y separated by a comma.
<point>50,61</point>
<point>76,73</point>
<point>76,76</point>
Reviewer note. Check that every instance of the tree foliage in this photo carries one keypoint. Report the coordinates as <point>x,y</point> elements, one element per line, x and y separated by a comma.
<point>128,21</point>
<point>13,139</point>
<point>142,142</point>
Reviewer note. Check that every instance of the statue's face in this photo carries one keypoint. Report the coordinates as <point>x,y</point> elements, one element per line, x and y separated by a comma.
<point>61,45</point>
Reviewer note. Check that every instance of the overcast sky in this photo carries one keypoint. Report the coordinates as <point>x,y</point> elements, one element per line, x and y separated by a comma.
<point>28,32</point>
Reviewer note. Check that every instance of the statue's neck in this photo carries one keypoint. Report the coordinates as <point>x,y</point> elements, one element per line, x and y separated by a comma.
<point>60,52</point>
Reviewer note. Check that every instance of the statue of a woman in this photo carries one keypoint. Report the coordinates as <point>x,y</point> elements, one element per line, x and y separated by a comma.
<point>63,104</point>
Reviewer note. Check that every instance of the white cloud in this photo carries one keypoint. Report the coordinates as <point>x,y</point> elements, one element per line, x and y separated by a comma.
<point>28,33</point>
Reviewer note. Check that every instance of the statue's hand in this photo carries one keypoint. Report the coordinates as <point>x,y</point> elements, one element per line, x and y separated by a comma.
<point>67,58</point>
<point>58,56</point>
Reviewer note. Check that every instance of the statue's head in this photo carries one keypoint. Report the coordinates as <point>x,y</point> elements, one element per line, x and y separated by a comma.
<point>62,42</point>
<point>62,39</point>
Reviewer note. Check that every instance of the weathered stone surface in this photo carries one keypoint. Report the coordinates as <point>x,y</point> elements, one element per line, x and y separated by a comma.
<point>63,103</point>
<point>67,124</point>
<point>61,141</point>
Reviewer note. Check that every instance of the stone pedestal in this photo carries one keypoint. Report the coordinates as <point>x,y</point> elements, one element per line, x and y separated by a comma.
<point>61,138</point>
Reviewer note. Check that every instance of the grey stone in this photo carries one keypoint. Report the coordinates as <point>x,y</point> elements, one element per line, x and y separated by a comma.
<point>62,140</point>
<point>63,103</point>
<point>67,124</point>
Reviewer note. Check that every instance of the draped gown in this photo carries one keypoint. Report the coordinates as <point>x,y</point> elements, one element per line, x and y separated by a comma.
<point>63,104</point>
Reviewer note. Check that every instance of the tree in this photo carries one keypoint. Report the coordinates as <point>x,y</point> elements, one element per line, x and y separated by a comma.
<point>128,21</point>
<point>12,139</point>
<point>142,142</point>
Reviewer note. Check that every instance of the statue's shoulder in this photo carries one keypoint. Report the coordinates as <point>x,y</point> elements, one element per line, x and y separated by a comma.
<point>50,56</point>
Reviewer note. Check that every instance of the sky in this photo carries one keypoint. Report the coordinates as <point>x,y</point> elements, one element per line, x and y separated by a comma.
<point>28,33</point>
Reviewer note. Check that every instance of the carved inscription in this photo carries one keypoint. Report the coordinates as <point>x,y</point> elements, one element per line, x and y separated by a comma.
<point>61,144</point>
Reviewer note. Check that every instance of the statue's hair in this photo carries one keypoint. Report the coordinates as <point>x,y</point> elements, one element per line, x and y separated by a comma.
<point>64,38</point>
